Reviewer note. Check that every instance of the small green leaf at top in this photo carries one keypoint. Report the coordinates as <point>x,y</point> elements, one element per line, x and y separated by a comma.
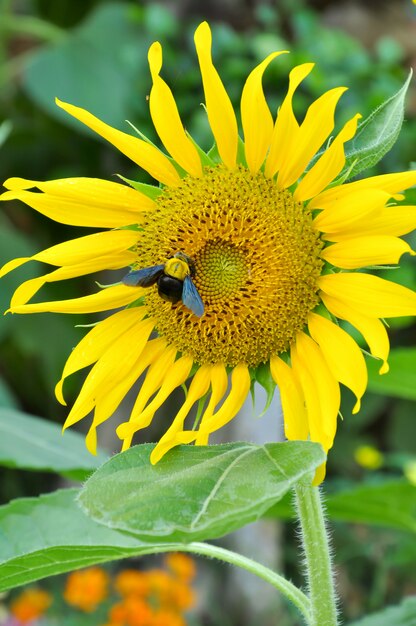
<point>195,493</point>
<point>29,442</point>
<point>403,614</point>
<point>377,134</point>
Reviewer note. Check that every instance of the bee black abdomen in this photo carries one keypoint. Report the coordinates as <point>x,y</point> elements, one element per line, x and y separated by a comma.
<point>169,288</point>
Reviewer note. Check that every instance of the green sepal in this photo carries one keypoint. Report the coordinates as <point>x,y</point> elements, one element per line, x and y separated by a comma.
<point>215,157</point>
<point>263,376</point>
<point>241,153</point>
<point>136,303</point>
<point>135,227</point>
<point>213,154</point>
<point>150,191</point>
<point>321,309</point>
<point>206,160</point>
<point>101,286</point>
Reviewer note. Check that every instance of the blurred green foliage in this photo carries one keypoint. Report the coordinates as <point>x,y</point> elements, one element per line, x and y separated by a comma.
<point>94,54</point>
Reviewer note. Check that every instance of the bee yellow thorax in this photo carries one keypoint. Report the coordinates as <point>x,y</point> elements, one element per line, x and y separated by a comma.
<point>176,268</point>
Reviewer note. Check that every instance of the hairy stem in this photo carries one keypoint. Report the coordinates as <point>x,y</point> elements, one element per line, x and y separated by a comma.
<point>316,548</point>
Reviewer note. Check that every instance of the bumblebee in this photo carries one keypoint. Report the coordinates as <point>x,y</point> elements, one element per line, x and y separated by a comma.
<point>173,279</point>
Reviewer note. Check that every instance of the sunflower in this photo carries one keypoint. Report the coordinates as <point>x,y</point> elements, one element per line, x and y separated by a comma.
<point>273,249</point>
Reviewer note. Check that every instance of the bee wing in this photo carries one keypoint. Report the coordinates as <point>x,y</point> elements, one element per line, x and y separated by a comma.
<point>191,298</point>
<point>144,277</point>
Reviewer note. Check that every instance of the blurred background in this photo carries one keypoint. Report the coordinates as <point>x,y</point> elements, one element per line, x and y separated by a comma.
<point>94,54</point>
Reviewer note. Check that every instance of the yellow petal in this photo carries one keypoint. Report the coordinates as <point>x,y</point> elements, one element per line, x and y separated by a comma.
<point>292,398</point>
<point>160,362</point>
<point>286,125</point>
<point>140,152</point>
<point>342,354</point>
<point>158,370</point>
<point>240,386</point>
<point>372,329</point>
<point>13,264</point>
<point>345,210</point>
<point>91,191</point>
<point>315,129</point>
<point>328,165</point>
<point>124,374</point>
<point>389,183</point>
<point>366,251</point>
<point>76,210</point>
<point>372,294</point>
<point>321,390</point>
<point>79,250</point>
<point>105,300</point>
<point>100,379</point>
<point>219,108</point>
<point>93,345</point>
<point>166,118</point>
<point>29,288</point>
<point>392,220</point>
<point>219,384</point>
<point>392,183</point>
<point>125,371</point>
<point>97,245</point>
<point>256,118</point>
<point>174,378</point>
<point>198,388</point>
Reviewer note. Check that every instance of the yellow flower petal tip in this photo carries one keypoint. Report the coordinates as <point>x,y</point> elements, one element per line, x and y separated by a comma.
<point>229,263</point>
<point>319,476</point>
<point>91,441</point>
<point>384,369</point>
<point>124,431</point>
<point>357,407</point>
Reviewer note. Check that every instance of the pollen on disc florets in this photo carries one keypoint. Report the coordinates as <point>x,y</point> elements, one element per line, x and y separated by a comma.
<point>256,257</point>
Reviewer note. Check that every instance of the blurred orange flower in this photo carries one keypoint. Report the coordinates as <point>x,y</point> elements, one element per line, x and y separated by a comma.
<point>182,565</point>
<point>86,589</point>
<point>165,617</point>
<point>30,604</point>
<point>132,611</point>
<point>131,581</point>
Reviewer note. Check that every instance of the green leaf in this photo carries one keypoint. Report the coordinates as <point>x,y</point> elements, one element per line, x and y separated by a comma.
<point>7,397</point>
<point>391,504</point>
<point>50,535</point>
<point>377,133</point>
<point>400,381</point>
<point>5,130</point>
<point>195,492</point>
<point>29,442</point>
<point>403,614</point>
<point>105,55</point>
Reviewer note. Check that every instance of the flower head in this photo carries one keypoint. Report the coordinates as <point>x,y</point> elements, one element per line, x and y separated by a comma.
<point>244,256</point>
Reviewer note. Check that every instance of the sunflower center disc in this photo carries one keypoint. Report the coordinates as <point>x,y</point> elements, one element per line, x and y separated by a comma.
<point>257,264</point>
